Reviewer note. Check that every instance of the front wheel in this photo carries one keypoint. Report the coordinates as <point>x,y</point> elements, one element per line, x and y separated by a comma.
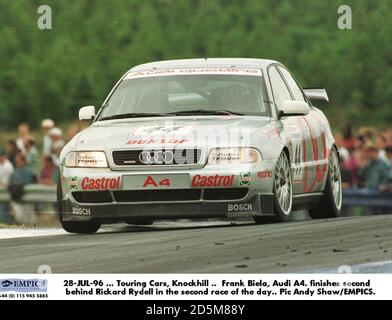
<point>74,226</point>
<point>283,190</point>
<point>331,204</point>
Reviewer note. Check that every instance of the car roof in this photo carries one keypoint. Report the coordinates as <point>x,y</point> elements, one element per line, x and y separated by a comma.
<point>244,63</point>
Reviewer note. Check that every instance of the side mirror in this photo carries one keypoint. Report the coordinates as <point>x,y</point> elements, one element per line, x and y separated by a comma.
<point>294,108</point>
<point>317,94</point>
<point>87,113</point>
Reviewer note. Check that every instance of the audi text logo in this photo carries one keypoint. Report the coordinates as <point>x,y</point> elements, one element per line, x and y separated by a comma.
<point>156,157</point>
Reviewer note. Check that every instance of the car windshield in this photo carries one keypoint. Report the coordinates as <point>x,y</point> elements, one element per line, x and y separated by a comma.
<point>188,95</point>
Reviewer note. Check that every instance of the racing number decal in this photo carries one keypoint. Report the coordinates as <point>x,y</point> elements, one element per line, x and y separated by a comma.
<point>296,149</point>
<point>320,169</point>
<point>297,174</point>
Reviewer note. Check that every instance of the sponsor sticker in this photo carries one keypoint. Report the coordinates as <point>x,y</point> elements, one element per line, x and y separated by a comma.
<point>264,174</point>
<point>73,183</point>
<point>245,179</point>
<point>100,183</point>
<point>212,181</point>
<point>156,141</point>
<point>190,71</point>
<point>239,207</point>
<point>24,285</point>
<point>81,211</point>
<point>181,129</point>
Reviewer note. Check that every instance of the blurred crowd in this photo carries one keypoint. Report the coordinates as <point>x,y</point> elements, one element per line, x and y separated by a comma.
<point>366,158</point>
<point>22,163</point>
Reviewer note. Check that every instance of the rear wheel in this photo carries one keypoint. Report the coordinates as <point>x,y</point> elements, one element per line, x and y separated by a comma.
<point>74,226</point>
<point>331,204</point>
<point>283,190</point>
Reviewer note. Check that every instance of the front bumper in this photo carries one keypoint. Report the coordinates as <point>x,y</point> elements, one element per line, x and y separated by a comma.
<point>245,191</point>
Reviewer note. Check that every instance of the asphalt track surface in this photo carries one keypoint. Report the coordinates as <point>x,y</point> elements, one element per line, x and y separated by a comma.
<point>206,247</point>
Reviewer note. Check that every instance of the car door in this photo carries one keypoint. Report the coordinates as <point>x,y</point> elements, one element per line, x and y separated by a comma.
<point>314,153</point>
<point>295,131</point>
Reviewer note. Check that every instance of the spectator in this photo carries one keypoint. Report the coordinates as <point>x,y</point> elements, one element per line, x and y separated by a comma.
<point>47,125</point>
<point>18,179</point>
<point>348,140</point>
<point>373,172</point>
<point>32,157</point>
<point>57,144</point>
<point>6,169</point>
<point>367,134</point>
<point>381,144</point>
<point>49,173</point>
<point>347,177</point>
<point>24,134</point>
<point>388,186</point>
<point>12,151</point>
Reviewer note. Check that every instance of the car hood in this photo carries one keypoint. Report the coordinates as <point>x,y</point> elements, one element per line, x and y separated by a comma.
<point>206,131</point>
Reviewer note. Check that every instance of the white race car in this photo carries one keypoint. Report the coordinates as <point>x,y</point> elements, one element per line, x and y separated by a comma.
<point>200,138</point>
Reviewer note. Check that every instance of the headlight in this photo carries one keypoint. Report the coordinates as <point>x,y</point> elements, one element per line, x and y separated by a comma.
<point>86,159</point>
<point>233,156</point>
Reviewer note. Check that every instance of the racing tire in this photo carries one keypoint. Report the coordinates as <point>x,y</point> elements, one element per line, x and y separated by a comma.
<point>330,205</point>
<point>86,227</point>
<point>282,190</point>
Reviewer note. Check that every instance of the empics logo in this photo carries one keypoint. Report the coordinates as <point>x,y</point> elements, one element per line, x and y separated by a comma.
<point>6,283</point>
<point>24,285</point>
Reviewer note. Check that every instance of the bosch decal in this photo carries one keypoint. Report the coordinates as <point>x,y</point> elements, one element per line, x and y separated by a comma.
<point>237,207</point>
<point>81,211</point>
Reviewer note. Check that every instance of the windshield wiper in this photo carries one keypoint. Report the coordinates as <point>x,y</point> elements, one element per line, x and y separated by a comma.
<point>206,112</point>
<point>132,115</point>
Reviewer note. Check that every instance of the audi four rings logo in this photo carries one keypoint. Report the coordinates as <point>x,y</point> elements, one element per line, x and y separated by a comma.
<point>156,157</point>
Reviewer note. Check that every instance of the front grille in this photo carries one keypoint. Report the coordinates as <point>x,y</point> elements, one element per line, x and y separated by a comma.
<point>92,196</point>
<point>134,196</point>
<point>156,157</point>
<point>157,195</point>
<point>225,194</point>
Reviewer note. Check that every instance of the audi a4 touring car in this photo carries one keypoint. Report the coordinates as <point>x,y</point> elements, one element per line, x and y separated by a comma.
<point>200,138</point>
